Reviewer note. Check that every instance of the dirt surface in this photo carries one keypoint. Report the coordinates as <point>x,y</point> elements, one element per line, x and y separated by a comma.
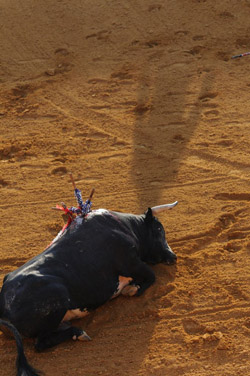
<point>141,100</point>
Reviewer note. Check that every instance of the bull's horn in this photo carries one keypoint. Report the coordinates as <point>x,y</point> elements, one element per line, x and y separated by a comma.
<point>160,208</point>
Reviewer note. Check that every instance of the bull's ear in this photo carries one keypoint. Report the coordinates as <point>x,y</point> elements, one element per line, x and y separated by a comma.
<point>149,215</point>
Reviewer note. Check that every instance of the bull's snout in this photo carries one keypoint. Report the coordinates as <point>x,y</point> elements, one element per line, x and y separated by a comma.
<point>171,257</point>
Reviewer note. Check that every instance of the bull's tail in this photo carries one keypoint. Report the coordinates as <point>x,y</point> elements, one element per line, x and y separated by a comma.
<point>23,367</point>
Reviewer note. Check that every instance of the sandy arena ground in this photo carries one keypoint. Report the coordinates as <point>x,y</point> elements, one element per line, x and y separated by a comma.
<point>141,100</point>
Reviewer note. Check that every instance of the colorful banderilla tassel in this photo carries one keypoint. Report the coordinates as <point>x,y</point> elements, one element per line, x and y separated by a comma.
<point>83,208</point>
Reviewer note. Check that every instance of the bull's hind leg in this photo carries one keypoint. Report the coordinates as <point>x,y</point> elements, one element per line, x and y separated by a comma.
<point>64,332</point>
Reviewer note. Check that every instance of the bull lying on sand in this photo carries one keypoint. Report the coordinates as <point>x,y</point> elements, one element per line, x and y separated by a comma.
<point>98,257</point>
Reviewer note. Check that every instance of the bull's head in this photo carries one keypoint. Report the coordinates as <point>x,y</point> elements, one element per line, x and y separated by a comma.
<point>160,251</point>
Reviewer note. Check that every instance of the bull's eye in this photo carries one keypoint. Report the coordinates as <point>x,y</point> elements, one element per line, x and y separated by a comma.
<point>159,229</point>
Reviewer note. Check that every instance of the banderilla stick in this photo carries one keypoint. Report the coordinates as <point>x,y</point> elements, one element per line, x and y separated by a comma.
<point>63,205</point>
<point>241,55</point>
<point>91,194</point>
<point>73,182</point>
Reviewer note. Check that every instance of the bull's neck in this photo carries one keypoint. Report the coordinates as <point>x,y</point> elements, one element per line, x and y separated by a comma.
<point>137,227</point>
<point>142,234</point>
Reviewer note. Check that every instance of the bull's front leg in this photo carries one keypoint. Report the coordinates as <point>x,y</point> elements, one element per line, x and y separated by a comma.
<point>143,277</point>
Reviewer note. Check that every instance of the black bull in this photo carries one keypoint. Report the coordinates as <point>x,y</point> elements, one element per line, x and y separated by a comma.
<point>97,258</point>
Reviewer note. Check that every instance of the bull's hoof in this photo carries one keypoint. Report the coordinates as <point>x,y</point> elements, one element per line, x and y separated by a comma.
<point>130,290</point>
<point>82,337</point>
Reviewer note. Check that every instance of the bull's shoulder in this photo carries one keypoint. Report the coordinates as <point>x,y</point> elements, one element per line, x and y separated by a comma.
<point>97,212</point>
